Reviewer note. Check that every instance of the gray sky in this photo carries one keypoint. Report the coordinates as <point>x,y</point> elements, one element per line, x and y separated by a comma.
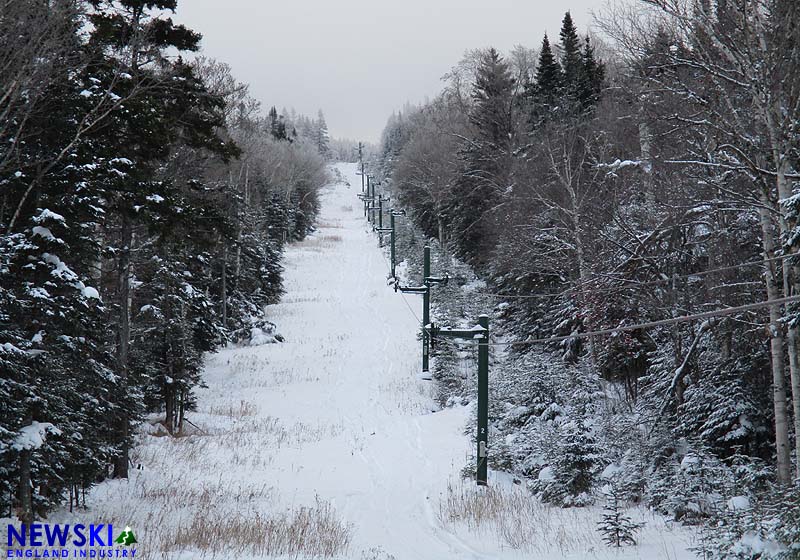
<point>359,60</point>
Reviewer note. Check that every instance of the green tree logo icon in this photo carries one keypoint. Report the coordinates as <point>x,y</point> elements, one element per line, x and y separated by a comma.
<point>126,537</point>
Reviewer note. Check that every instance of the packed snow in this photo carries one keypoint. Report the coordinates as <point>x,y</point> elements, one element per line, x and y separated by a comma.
<point>335,421</point>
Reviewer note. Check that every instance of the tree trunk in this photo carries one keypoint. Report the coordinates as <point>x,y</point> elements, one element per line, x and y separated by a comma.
<point>645,146</point>
<point>224,288</point>
<point>789,280</point>
<point>181,411</point>
<point>772,110</point>
<point>239,218</point>
<point>169,401</point>
<point>783,460</point>
<point>123,338</point>
<point>25,492</point>
<point>583,271</point>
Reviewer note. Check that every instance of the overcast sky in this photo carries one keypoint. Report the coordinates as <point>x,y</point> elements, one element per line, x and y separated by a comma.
<point>359,60</point>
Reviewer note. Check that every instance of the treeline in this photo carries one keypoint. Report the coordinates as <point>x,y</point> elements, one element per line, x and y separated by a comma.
<point>290,126</point>
<point>144,204</point>
<point>589,194</point>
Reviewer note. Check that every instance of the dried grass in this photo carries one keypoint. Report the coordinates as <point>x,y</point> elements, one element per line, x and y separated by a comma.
<point>517,517</point>
<point>313,532</point>
<point>199,509</point>
<point>320,243</point>
<point>238,412</point>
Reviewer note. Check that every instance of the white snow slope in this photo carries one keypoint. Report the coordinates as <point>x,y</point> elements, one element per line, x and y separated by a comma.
<point>335,415</point>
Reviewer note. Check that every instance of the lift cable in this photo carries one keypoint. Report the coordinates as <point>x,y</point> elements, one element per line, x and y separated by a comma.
<point>671,321</point>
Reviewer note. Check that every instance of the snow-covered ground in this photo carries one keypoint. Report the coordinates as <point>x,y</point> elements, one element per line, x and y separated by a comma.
<point>334,424</point>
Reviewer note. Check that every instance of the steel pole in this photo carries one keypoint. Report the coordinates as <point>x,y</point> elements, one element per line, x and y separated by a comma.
<point>483,403</point>
<point>426,307</point>
<point>392,251</point>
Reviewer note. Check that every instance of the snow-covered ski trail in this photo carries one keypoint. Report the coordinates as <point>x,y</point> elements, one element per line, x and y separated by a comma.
<point>351,357</point>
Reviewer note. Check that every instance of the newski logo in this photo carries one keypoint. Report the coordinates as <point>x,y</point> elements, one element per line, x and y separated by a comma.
<point>65,541</point>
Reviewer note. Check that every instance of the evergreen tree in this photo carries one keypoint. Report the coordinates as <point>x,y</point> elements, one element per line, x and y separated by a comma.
<point>321,136</point>
<point>577,460</point>
<point>176,324</point>
<point>53,352</point>
<point>549,75</point>
<point>492,95</point>
<point>592,76</point>
<point>272,120</point>
<point>574,465</point>
<point>571,57</point>
<point>617,528</point>
<point>277,126</point>
<point>280,131</point>
<point>177,109</point>
<point>545,91</point>
<point>486,158</point>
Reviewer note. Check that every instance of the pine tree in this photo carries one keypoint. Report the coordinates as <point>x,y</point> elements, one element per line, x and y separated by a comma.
<point>486,159</point>
<point>175,324</point>
<point>280,131</point>
<point>617,528</point>
<point>575,464</point>
<point>53,350</point>
<point>54,326</point>
<point>545,91</point>
<point>321,136</point>
<point>492,94</point>
<point>272,120</point>
<point>549,76</point>
<point>592,76</point>
<point>276,124</point>
<point>177,108</point>
<point>571,58</point>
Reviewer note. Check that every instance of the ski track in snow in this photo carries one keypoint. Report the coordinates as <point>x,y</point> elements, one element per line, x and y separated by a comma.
<point>344,382</point>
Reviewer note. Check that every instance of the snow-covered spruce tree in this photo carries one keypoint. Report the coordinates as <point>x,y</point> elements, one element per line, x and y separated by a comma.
<point>174,323</point>
<point>574,467</point>
<point>694,487</point>
<point>256,280</point>
<point>446,370</point>
<point>177,108</point>
<point>57,385</point>
<point>617,528</point>
<point>571,59</point>
<point>544,92</point>
<point>724,409</point>
<point>56,366</point>
<point>592,76</point>
<point>486,159</point>
<point>321,136</point>
<point>277,126</point>
<point>566,87</point>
